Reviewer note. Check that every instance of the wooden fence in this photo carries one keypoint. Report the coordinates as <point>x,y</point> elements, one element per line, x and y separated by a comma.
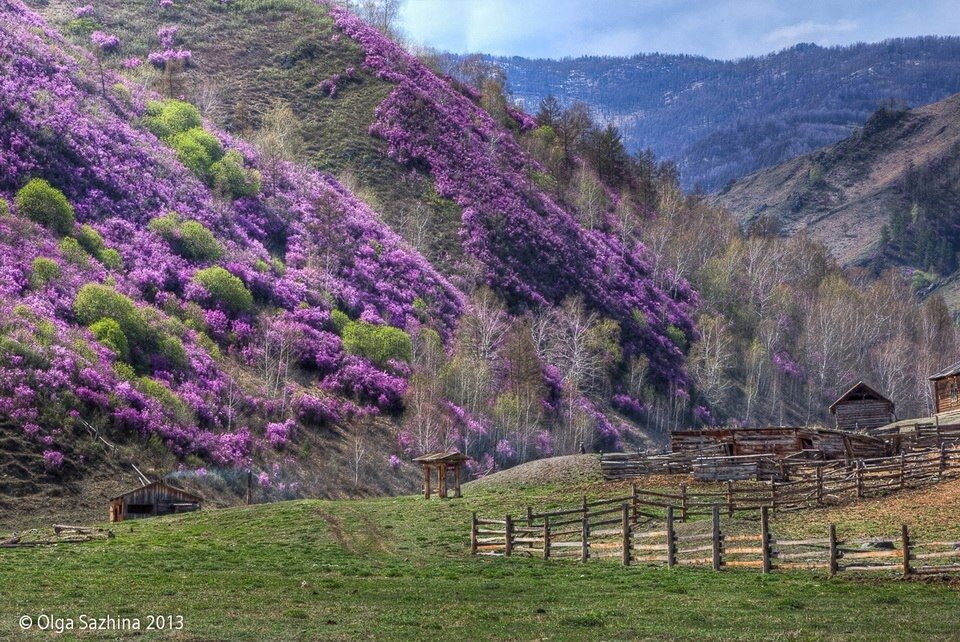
<point>611,530</point>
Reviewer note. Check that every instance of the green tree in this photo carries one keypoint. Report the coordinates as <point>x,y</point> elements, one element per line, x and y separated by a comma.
<point>44,204</point>
<point>225,288</point>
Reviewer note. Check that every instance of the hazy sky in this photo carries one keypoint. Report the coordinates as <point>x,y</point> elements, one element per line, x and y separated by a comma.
<point>714,28</point>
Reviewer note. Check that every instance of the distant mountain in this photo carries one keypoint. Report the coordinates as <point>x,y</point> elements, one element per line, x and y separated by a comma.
<point>886,196</point>
<point>720,120</point>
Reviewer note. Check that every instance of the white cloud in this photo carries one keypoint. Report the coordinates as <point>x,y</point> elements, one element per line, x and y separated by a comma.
<point>810,31</point>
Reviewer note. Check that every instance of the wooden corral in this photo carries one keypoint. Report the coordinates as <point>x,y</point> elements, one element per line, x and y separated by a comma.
<point>781,442</point>
<point>862,408</point>
<point>156,498</point>
<point>946,389</point>
<point>442,462</point>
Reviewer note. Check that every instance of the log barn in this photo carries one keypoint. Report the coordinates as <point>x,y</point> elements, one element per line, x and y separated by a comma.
<point>780,442</point>
<point>156,498</point>
<point>862,408</point>
<point>946,389</point>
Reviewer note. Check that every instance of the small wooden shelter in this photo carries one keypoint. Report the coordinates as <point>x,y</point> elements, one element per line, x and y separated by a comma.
<point>946,389</point>
<point>862,408</point>
<point>156,498</point>
<point>443,462</point>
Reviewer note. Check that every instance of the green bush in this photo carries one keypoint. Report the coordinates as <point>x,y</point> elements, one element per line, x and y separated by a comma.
<point>108,332</point>
<point>46,205</point>
<point>231,179</point>
<point>198,243</point>
<point>197,150</point>
<point>91,241</point>
<point>171,117</point>
<point>74,253</point>
<point>190,239</point>
<point>378,343</point>
<point>171,349</point>
<point>82,26</point>
<point>225,288</point>
<point>124,371</point>
<point>339,320</point>
<point>111,259</point>
<point>43,272</point>
<point>95,302</point>
<point>4,207</point>
<point>167,397</point>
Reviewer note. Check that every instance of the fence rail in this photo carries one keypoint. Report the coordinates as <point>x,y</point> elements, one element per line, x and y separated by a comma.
<point>617,533</point>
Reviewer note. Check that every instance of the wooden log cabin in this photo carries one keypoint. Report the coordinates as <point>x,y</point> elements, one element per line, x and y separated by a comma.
<point>946,389</point>
<point>862,408</point>
<point>156,498</point>
<point>780,442</point>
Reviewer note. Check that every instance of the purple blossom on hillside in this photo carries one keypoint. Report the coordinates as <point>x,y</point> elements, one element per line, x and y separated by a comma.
<point>504,449</point>
<point>629,405</point>
<point>482,468</point>
<point>159,59</point>
<point>395,462</point>
<point>52,459</point>
<point>543,442</point>
<point>278,434</point>
<point>787,365</point>
<point>263,479</point>
<point>164,4</point>
<point>83,12</point>
<point>702,413</point>
<point>167,36</point>
<point>131,63</point>
<point>106,42</point>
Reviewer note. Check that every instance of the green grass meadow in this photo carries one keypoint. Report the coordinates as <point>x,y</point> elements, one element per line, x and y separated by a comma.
<point>400,569</point>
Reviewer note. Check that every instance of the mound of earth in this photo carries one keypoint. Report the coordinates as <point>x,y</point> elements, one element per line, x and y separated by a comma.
<point>570,469</point>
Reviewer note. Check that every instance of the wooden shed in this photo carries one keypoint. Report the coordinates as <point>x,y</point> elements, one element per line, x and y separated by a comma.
<point>156,498</point>
<point>779,442</point>
<point>862,408</point>
<point>946,389</point>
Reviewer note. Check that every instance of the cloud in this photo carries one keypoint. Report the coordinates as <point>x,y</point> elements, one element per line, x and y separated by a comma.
<point>810,31</point>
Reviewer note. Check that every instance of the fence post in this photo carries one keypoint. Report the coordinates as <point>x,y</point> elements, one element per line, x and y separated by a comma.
<point>585,543</point>
<point>716,538</point>
<point>902,461</point>
<point>729,498</point>
<point>859,479</point>
<point>683,502</point>
<point>473,534</point>
<point>819,485</point>
<point>833,550</point>
<point>905,543</point>
<point>508,532</point>
<point>583,509</point>
<point>773,494</point>
<point>529,516</point>
<point>765,537</point>
<point>671,540</point>
<point>635,500</point>
<point>943,461</point>
<point>546,537</point>
<point>625,532</point>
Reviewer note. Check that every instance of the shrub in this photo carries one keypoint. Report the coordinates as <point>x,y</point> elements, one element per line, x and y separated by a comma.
<point>172,351</point>
<point>44,271</point>
<point>167,397</point>
<point>4,207</point>
<point>73,252</point>
<point>108,332</point>
<point>171,117</point>
<point>225,288</point>
<point>197,150</point>
<point>95,302</point>
<point>231,179</point>
<point>111,259</point>
<point>90,240</point>
<point>339,320</point>
<point>378,343</point>
<point>46,205</point>
<point>124,371</point>
<point>198,243</point>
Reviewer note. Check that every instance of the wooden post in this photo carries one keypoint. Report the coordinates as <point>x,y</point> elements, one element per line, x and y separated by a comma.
<point>902,462</point>
<point>729,498</point>
<point>833,550</point>
<point>426,481</point>
<point>671,540</point>
<point>530,516</point>
<point>765,538</point>
<point>546,537</point>
<point>905,544</point>
<point>508,539</point>
<point>585,542</point>
<point>717,561</point>
<point>859,480</point>
<point>943,461</point>
<point>683,502</point>
<point>635,501</point>
<point>819,485</point>
<point>473,534</point>
<point>249,487</point>
<point>625,533</point>
<point>456,479</point>
<point>773,494</point>
<point>584,506</point>
<point>442,481</point>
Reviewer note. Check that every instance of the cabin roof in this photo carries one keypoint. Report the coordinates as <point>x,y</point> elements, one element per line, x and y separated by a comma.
<point>858,392</point>
<point>446,457</point>
<point>948,372</point>
<point>160,484</point>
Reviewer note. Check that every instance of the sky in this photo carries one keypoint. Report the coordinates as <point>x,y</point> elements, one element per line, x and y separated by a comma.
<point>724,29</point>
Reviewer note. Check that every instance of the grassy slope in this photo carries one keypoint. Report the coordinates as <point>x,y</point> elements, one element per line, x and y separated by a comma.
<point>399,568</point>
